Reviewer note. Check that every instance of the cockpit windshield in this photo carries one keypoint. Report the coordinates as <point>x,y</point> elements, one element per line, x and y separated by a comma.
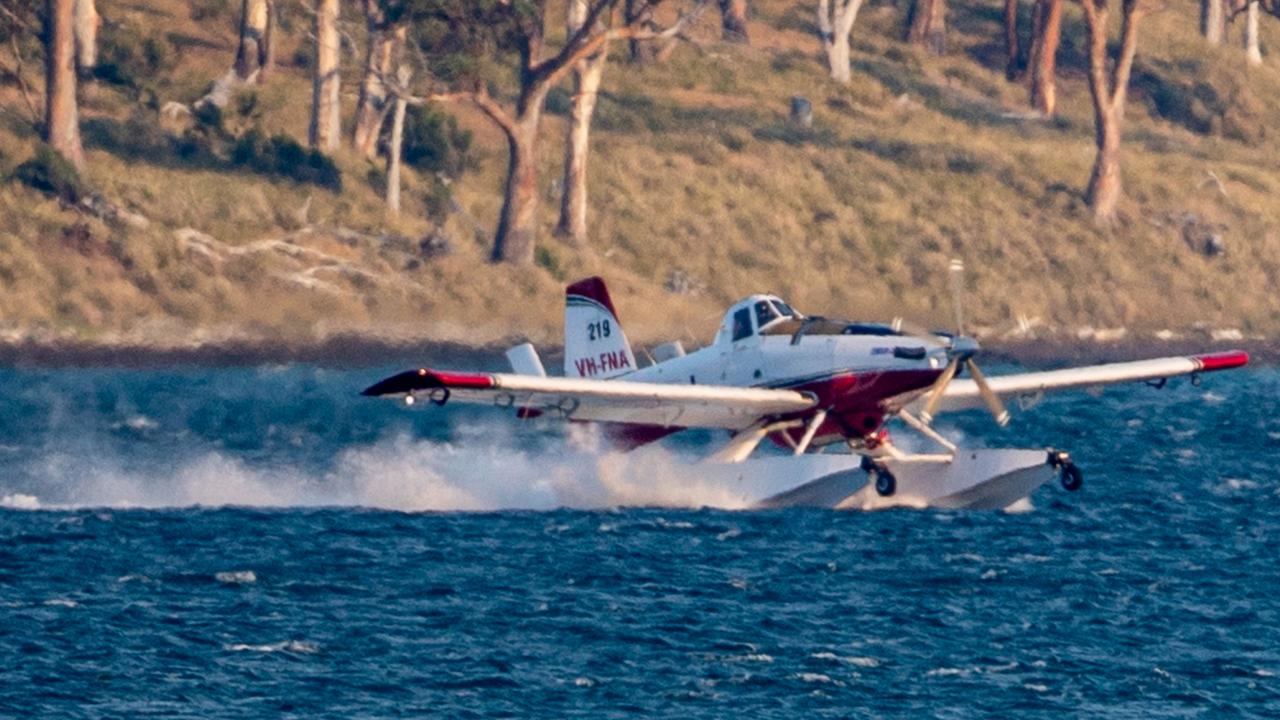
<point>785,309</point>
<point>765,313</point>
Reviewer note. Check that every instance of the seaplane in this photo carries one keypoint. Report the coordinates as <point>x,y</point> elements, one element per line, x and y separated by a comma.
<point>821,391</point>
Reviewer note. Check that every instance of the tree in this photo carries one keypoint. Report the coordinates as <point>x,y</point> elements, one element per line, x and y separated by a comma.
<point>386,39</point>
<point>463,33</point>
<point>87,22</point>
<point>835,23</point>
<point>586,83</point>
<point>1252,52</point>
<point>1046,33</point>
<point>587,75</point>
<point>733,21</point>
<point>927,25</point>
<point>61,117</point>
<point>325,101</point>
<point>1108,91</point>
<point>1213,21</point>
<point>394,151</point>
<point>1012,46</point>
<point>256,52</point>
<point>639,14</point>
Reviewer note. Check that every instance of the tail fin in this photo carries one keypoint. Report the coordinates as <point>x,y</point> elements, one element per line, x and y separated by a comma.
<point>594,344</point>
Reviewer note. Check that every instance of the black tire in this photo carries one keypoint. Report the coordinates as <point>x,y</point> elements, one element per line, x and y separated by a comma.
<point>1072,478</point>
<point>886,483</point>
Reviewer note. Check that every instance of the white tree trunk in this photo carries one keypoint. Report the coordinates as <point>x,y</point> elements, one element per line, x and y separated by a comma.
<point>393,156</point>
<point>835,23</point>
<point>62,118</point>
<point>586,84</point>
<point>87,22</point>
<point>325,100</point>
<point>254,26</point>
<point>374,101</point>
<point>838,59</point>
<point>1212,21</point>
<point>1251,50</point>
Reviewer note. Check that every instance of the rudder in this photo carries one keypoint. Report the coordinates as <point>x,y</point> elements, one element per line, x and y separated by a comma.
<point>594,344</point>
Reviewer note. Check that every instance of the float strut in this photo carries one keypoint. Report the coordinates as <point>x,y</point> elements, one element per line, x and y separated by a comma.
<point>810,430</point>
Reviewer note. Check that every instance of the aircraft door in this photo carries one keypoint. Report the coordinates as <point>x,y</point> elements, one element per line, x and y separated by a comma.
<point>743,360</point>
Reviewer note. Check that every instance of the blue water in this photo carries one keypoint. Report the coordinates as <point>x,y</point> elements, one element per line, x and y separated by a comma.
<point>129,588</point>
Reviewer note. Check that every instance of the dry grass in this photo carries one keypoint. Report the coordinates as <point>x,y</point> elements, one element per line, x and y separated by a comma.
<point>696,170</point>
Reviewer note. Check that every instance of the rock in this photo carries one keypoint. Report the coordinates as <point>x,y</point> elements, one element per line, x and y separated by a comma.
<point>199,248</point>
<point>174,110</point>
<point>682,283</point>
<point>1202,236</point>
<point>801,112</point>
<point>100,207</point>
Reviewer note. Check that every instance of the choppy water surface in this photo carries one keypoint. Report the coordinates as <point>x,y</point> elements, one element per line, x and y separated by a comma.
<point>128,589</point>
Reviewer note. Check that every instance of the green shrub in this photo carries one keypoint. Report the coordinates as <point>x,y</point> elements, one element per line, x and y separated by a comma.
<point>282,156</point>
<point>544,258</point>
<point>208,9</point>
<point>438,199</point>
<point>130,59</point>
<point>433,142</point>
<point>50,173</point>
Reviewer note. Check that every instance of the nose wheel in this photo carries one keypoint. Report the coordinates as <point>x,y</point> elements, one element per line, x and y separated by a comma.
<point>881,478</point>
<point>1069,473</point>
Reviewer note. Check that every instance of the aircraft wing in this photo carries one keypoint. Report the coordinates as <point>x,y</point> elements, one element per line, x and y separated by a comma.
<point>963,393</point>
<point>667,405</point>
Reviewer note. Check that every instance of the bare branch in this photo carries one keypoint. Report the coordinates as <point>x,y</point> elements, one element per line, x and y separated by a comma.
<point>14,18</point>
<point>480,97</point>
<point>676,30</point>
<point>22,82</point>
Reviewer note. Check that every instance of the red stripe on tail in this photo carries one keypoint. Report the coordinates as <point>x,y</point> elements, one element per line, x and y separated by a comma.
<point>593,288</point>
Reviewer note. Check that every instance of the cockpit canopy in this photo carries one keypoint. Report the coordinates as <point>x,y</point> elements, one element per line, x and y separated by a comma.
<point>754,315</point>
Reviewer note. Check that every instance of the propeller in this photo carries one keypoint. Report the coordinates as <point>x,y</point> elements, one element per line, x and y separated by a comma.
<point>960,352</point>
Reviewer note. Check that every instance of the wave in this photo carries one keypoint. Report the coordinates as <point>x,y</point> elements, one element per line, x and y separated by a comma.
<point>484,470</point>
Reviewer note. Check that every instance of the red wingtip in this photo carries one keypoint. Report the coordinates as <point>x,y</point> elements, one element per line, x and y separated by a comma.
<point>1222,360</point>
<point>594,289</point>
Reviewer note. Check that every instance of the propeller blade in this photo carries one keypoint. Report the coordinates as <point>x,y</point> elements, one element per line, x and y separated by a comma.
<point>918,332</point>
<point>994,404</point>
<point>957,294</point>
<point>939,387</point>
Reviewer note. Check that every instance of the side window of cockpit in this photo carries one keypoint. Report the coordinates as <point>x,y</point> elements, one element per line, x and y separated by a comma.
<point>764,313</point>
<point>741,324</point>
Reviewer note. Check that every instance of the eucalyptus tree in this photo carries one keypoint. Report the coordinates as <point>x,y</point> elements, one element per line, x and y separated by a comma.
<point>62,115</point>
<point>1108,87</point>
<point>472,46</point>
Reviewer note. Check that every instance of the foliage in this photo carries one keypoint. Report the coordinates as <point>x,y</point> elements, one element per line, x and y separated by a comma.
<point>50,173</point>
<point>202,10</point>
<point>130,58</point>
<point>433,142</point>
<point>282,156</point>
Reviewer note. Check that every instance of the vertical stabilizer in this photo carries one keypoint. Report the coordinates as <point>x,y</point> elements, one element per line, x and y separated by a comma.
<point>594,344</point>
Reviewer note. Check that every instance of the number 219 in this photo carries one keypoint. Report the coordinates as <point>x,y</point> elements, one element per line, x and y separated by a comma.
<point>597,330</point>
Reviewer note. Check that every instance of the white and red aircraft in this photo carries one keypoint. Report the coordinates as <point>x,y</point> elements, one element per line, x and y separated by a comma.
<point>810,384</point>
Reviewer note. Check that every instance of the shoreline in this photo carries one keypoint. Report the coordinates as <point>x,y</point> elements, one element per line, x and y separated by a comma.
<point>353,351</point>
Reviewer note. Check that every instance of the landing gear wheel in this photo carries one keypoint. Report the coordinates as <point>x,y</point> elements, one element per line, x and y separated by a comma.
<point>1071,478</point>
<point>886,483</point>
<point>1068,474</point>
<point>883,480</point>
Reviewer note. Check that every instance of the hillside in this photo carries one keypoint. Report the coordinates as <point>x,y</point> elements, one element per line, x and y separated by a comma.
<point>701,192</point>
